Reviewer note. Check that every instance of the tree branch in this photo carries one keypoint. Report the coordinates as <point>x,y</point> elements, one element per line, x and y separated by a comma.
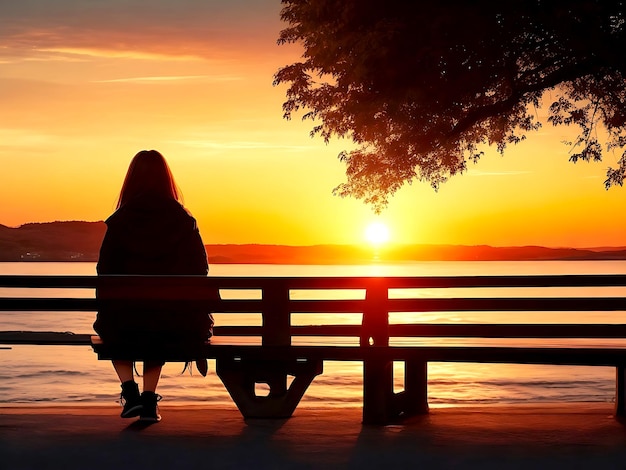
<point>564,74</point>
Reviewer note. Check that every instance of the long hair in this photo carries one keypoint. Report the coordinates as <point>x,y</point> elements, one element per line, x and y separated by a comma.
<point>148,175</point>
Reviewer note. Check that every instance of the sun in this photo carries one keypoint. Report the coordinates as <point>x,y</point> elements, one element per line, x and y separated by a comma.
<point>377,233</point>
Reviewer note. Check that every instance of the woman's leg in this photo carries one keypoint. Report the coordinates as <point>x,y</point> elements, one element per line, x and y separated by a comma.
<point>149,399</point>
<point>130,398</point>
<point>124,370</point>
<point>151,375</point>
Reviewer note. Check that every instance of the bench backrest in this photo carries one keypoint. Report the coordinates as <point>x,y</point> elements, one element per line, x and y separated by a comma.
<point>277,299</point>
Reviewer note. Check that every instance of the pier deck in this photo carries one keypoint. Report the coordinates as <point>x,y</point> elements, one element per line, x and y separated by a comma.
<point>522,436</point>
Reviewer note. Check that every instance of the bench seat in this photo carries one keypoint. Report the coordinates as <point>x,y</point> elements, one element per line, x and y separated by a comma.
<point>244,348</point>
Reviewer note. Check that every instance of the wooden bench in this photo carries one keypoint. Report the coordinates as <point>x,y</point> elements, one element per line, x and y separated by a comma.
<point>277,349</point>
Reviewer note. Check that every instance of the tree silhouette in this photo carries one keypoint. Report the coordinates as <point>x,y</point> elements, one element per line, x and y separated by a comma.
<point>420,87</point>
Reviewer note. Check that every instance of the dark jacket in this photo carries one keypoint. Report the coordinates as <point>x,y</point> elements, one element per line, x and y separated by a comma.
<point>153,237</point>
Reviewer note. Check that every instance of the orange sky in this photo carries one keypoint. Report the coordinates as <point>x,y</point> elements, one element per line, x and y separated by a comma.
<point>85,85</point>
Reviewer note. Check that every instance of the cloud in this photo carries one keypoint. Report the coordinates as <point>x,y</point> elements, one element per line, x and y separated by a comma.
<point>87,53</point>
<point>496,173</point>
<point>21,135</point>
<point>173,78</point>
<point>23,138</point>
<point>240,145</point>
<point>143,28</point>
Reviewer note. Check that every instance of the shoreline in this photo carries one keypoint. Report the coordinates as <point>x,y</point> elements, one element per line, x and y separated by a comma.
<point>618,254</point>
<point>573,435</point>
<point>51,407</point>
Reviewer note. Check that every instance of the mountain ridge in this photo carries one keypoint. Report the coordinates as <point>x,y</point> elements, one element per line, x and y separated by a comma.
<point>80,241</point>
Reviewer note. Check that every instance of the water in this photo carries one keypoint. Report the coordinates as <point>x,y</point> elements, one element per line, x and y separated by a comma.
<point>56,375</point>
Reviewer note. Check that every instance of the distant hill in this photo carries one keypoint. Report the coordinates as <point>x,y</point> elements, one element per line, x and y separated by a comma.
<point>52,241</point>
<point>80,241</point>
<point>350,254</point>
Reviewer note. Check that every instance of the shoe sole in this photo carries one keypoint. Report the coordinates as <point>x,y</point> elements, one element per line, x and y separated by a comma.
<point>132,412</point>
<point>149,419</point>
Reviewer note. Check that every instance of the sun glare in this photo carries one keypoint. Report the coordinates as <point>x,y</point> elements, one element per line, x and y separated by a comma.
<point>377,233</point>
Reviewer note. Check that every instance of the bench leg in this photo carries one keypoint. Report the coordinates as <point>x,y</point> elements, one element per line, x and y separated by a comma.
<point>620,391</point>
<point>377,391</point>
<point>380,404</point>
<point>415,388</point>
<point>240,378</point>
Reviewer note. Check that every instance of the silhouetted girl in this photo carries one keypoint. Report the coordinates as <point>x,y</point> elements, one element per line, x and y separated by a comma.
<point>149,233</point>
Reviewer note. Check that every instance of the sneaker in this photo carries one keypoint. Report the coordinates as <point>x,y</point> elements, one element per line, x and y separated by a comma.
<point>130,399</point>
<point>150,409</point>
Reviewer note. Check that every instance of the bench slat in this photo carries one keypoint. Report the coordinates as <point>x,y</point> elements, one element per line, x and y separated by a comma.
<point>487,354</point>
<point>521,304</point>
<point>330,282</point>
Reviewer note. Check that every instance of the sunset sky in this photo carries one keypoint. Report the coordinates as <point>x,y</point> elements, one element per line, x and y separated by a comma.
<point>85,85</point>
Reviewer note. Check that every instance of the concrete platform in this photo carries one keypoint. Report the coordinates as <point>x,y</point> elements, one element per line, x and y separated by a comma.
<point>572,436</point>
